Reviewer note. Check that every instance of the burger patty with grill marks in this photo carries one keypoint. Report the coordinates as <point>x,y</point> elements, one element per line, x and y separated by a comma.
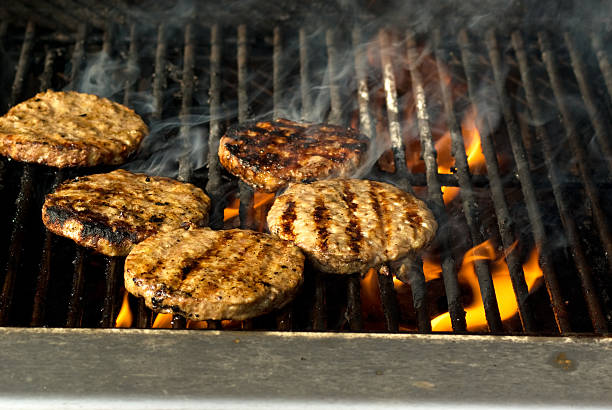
<point>67,129</point>
<point>350,225</point>
<point>268,155</point>
<point>205,274</point>
<point>112,212</point>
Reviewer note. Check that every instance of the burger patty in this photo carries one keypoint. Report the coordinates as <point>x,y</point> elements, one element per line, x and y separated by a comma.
<point>350,225</point>
<point>67,129</point>
<point>270,154</point>
<point>205,274</point>
<point>112,212</point>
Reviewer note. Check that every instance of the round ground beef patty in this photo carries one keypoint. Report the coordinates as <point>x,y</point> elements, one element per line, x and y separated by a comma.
<point>349,225</point>
<point>68,129</point>
<point>268,155</point>
<point>205,274</point>
<point>112,212</point>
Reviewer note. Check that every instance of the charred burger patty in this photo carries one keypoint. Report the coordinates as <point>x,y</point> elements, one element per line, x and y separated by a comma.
<point>270,154</point>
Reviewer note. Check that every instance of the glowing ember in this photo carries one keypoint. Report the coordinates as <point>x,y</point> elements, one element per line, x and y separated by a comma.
<point>125,317</point>
<point>475,315</point>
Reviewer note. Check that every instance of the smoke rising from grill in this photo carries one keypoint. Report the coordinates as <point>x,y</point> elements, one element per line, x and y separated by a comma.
<point>327,87</point>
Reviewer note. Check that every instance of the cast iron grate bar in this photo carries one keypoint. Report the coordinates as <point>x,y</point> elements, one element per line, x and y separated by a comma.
<point>353,306</point>
<point>245,191</point>
<point>573,235</point>
<point>213,186</point>
<point>24,62</point>
<point>600,124</point>
<point>113,273</point>
<point>469,204</point>
<point>42,284</point>
<point>159,81</point>
<point>504,220</point>
<point>576,146</point>
<point>529,194</point>
<point>16,248</point>
<point>75,304</point>
<point>413,275</point>
<point>388,297</point>
<point>602,59</point>
<point>434,189</point>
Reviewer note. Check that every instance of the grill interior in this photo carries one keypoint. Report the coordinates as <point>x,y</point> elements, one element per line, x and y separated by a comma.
<point>543,104</point>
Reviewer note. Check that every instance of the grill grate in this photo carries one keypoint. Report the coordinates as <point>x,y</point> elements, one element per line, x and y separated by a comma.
<point>245,72</point>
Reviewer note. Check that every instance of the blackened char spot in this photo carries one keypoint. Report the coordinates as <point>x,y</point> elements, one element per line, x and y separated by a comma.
<point>94,225</point>
<point>353,229</point>
<point>321,219</point>
<point>287,219</point>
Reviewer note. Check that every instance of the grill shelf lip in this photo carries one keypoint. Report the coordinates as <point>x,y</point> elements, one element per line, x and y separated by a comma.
<point>560,372</point>
<point>494,182</point>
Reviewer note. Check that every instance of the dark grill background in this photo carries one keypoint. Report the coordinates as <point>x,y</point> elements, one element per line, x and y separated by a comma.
<point>548,157</point>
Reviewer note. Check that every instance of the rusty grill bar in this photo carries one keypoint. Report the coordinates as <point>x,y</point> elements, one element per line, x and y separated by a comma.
<point>226,71</point>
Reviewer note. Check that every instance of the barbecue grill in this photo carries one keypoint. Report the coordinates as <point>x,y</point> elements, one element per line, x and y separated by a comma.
<point>538,93</point>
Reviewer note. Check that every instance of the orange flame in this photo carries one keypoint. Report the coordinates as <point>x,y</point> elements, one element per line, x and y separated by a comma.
<point>163,321</point>
<point>125,317</point>
<point>260,199</point>
<point>475,315</point>
<point>473,151</point>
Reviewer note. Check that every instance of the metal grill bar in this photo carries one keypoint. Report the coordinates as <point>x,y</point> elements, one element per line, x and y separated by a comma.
<point>576,146</point>
<point>77,54</point>
<point>24,62</point>
<point>414,275</point>
<point>246,192</point>
<point>434,190</point>
<point>112,273</point>
<point>23,204</point>
<point>504,221</point>
<point>569,223</point>
<point>470,207</point>
<point>305,76</point>
<point>276,71</point>
<point>75,305</point>
<point>132,62</point>
<point>604,63</point>
<point>599,122</point>
<point>185,173</point>
<point>42,285</point>
<point>385,279</point>
<point>214,167</point>
<point>335,117</point>
<point>159,81</point>
<point>533,210</point>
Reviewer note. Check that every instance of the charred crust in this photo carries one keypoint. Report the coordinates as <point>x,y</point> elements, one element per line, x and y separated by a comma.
<point>283,150</point>
<point>93,226</point>
<point>287,220</point>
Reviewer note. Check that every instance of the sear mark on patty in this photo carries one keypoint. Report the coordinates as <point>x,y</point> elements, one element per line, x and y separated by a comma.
<point>204,274</point>
<point>349,225</point>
